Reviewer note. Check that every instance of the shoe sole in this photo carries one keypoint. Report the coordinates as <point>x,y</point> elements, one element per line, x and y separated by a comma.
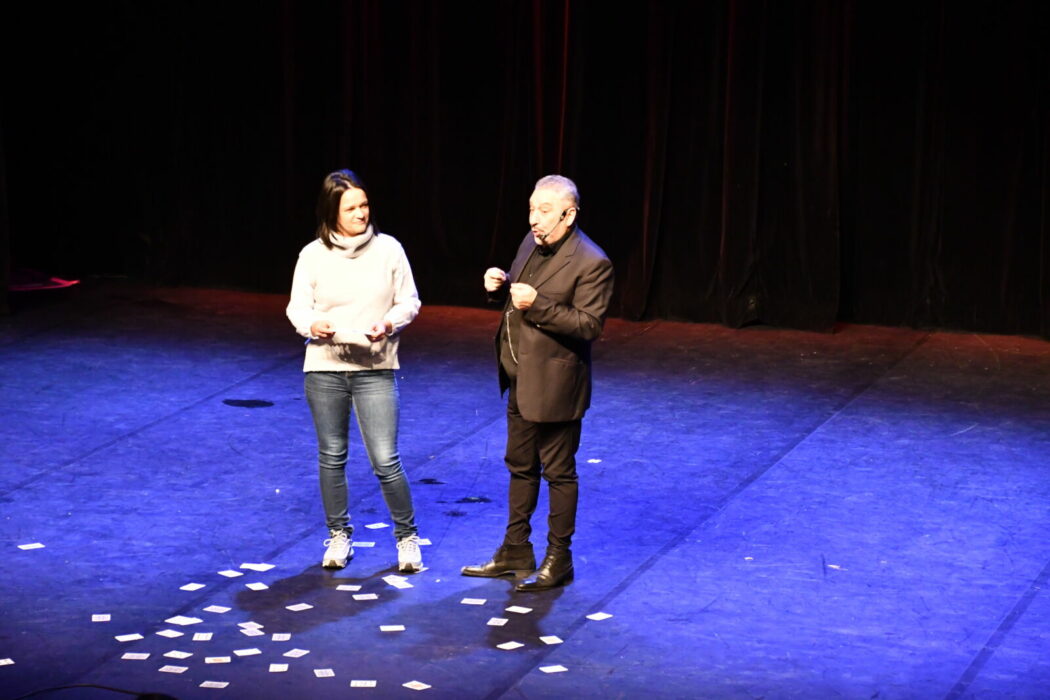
<point>411,568</point>
<point>514,573</point>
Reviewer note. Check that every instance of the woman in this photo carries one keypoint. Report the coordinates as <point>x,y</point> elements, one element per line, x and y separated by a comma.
<point>352,294</point>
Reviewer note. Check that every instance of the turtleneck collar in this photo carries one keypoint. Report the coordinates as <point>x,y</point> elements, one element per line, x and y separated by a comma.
<point>353,246</point>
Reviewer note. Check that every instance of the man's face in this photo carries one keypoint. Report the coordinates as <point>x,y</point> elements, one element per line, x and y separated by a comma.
<point>550,215</point>
<point>353,212</point>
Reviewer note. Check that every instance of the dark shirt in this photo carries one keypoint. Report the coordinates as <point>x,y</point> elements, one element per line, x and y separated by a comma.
<point>510,329</point>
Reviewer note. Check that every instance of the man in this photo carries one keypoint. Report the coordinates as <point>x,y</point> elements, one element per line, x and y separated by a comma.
<point>559,289</point>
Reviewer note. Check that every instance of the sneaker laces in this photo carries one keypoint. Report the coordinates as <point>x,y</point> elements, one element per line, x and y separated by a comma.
<point>410,543</point>
<point>336,536</point>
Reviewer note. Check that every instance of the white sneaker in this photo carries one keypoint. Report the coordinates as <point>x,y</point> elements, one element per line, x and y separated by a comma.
<point>409,558</point>
<point>339,550</point>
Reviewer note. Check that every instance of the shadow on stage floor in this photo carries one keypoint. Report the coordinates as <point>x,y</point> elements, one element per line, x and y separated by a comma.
<point>764,513</point>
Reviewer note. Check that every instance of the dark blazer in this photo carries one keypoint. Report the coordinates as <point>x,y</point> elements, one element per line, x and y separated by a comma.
<point>554,347</point>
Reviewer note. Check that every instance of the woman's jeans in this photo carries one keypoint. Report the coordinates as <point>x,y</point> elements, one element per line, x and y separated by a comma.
<point>373,396</point>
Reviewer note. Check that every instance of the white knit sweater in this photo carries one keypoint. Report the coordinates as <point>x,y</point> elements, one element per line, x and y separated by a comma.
<point>353,288</point>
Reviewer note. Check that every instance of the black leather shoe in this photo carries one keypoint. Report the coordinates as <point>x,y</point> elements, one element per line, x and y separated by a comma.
<point>556,570</point>
<point>508,559</point>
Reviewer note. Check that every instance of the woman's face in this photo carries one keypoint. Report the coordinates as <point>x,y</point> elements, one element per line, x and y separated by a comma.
<point>353,212</point>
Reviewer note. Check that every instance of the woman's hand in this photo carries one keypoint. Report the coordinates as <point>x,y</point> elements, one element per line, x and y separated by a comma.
<point>379,331</point>
<point>322,329</point>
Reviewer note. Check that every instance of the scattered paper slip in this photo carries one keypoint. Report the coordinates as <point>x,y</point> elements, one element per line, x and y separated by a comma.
<point>231,573</point>
<point>170,634</point>
<point>183,620</point>
<point>246,652</point>
<point>176,654</point>
<point>202,636</point>
<point>7,662</point>
<point>594,461</point>
<point>365,596</point>
<point>252,632</point>
<point>363,684</point>
<point>397,581</point>
<point>510,645</point>
<point>135,656</point>
<point>553,669</point>
<point>296,653</point>
<point>519,609</point>
<point>217,609</point>
<point>415,685</point>
<point>599,616</point>
<point>217,659</point>
<point>191,587</point>
<point>364,545</point>
<point>377,526</point>
<point>281,637</point>
<point>256,586</point>
<point>250,625</point>
<point>347,587</point>
<point>127,637</point>
<point>473,601</point>
<point>298,607</point>
<point>278,668</point>
<point>551,639</point>
<point>391,628</point>
<point>423,541</point>
<point>497,621</point>
<point>173,669</point>
<point>324,673</point>
<point>214,684</point>
<point>31,545</point>
<point>257,567</point>
<point>102,617</point>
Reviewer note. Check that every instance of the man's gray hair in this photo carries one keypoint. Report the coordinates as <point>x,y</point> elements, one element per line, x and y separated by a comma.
<point>563,184</point>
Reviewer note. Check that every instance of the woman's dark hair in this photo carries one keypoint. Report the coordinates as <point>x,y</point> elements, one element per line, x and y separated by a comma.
<point>328,203</point>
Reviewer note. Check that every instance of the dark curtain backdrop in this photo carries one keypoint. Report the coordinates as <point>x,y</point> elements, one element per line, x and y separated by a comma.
<point>790,163</point>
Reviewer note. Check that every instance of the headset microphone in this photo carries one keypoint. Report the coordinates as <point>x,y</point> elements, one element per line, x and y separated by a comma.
<point>543,236</point>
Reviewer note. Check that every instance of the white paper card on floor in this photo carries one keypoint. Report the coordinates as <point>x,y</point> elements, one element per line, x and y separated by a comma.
<point>170,634</point>
<point>217,609</point>
<point>519,609</point>
<point>173,669</point>
<point>365,596</point>
<point>101,617</point>
<point>217,659</point>
<point>231,573</point>
<point>281,636</point>
<point>257,567</point>
<point>551,639</point>
<point>252,633</point>
<point>558,668</point>
<point>508,646</point>
<point>135,656</point>
<point>377,526</point>
<point>324,673</point>
<point>298,607</point>
<point>31,545</point>
<point>296,653</point>
<point>176,654</point>
<point>191,587</point>
<point>183,620</point>
<point>364,545</point>
<point>257,586</point>
<point>599,616</point>
<point>391,628</point>
<point>415,685</point>
<point>214,684</point>
<point>127,637</point>
<point>278,668</point>
<point>473,601</point>
<point>348,587</point>
<point>246,652</point>
<point>202,636</point>
<point>362,684</point>
<point>497,621</point>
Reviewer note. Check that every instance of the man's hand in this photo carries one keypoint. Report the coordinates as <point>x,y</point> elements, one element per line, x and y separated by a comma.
<point>522,296</point>
<point>322,329</point>
<point>494,279</point>
<point>380,330</point>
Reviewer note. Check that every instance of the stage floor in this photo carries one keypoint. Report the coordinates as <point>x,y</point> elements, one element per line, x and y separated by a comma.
<point>764,513</point>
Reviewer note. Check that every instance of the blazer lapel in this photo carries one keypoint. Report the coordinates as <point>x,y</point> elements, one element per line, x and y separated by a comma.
<point>562,258</point>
